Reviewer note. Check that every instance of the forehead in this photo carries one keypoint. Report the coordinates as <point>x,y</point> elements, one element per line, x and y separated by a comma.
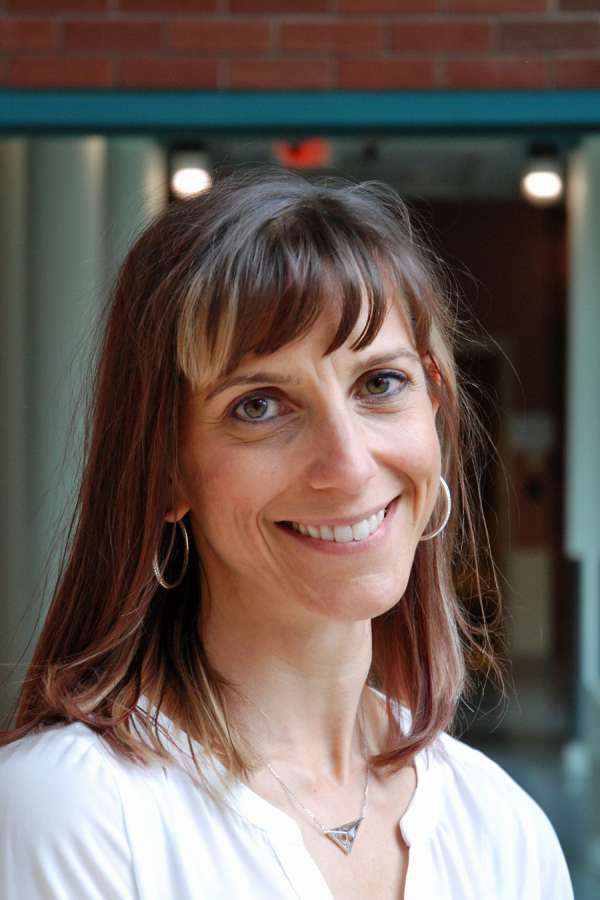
<point>320,307</point>
<point>394,330</point>
<point>311,350</point>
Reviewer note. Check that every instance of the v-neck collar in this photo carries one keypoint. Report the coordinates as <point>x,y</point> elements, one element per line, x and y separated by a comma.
<point>417,823</point>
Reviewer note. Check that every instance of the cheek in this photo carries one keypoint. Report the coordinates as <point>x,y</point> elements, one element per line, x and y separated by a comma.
<point>416,447</point>
<point>231,487</point>
<point>430,455</point>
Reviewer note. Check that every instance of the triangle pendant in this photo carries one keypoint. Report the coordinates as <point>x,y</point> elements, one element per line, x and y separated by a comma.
<point>344,835</point>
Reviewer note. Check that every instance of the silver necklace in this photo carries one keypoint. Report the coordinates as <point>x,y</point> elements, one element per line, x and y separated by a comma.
<point>343,836</point>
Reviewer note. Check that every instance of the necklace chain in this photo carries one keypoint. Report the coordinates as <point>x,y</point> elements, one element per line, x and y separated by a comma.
<point>305,809</point>
<point>343,836</point>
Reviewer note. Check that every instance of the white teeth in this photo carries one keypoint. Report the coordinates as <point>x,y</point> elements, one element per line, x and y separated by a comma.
<point>361,531</point>
<point>343,534</point>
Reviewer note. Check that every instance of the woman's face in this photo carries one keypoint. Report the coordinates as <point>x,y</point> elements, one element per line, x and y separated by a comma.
<point>310,478</point>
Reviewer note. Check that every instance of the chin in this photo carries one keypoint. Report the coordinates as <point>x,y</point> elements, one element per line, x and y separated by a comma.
<point>358,604</point>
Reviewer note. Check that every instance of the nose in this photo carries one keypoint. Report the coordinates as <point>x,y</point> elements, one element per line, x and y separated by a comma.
<point>340,457</point>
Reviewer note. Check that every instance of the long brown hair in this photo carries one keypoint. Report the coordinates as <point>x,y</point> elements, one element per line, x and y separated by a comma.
<point>246,266</point>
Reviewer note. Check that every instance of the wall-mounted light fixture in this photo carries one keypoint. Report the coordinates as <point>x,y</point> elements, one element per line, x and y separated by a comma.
<point>190,173</point>
<point>542,179</point>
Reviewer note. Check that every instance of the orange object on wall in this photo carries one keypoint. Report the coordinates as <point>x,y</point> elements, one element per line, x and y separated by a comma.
<point>312,153</point>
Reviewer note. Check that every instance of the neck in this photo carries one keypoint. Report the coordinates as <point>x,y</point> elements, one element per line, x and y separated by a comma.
<point>298,687</point>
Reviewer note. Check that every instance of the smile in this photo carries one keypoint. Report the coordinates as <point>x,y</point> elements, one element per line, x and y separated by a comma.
<point>341,534</point>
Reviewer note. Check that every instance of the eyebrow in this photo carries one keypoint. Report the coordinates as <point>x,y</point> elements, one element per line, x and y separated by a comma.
<point>278,378</point>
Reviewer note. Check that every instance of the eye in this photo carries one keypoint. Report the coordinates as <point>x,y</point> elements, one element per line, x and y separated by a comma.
<point>256,408</point>
<point>386,384</point>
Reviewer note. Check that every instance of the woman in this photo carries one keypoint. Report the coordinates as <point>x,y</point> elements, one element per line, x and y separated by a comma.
<point>255,651</point>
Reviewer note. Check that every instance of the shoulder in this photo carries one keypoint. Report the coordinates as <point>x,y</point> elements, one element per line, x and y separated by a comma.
<point>497,818</point>
<point>464,759</point>
<point>62,769</point>
<point>484,786</point>
<point>62,827</point>
<point>486,791</point>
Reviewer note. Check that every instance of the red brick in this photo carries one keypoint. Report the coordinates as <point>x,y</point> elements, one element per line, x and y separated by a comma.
<point>439,37</point>
<point>30,34</point>
<point>494,73</point>
<point>275,74</point>
<point>103,35</point>
<point>222,36</point>
<point>166,72</point>
<point>54,6</point>
<point>60,71</point>
<point>381,74</point>
<point>499,6</point>
<point>578,73</point>
<point>278,6</point>
<point>168,6</point>
<point>386,6</point>
<point>331,37</point>
<point>579,5</point>
<point>549,35</point>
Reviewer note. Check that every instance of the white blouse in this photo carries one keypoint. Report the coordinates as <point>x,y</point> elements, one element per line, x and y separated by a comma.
<point>79,823</point>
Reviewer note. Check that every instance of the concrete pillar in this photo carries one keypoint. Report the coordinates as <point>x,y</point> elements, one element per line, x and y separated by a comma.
<point>583,446</point>
<point>137,190</point>
<point>69,209</point>
<point>14,547</point>
<point>66,185</point>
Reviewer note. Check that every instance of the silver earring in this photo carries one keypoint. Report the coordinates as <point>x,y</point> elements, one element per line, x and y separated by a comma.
<point>428,537</point>
<point>159,571</point>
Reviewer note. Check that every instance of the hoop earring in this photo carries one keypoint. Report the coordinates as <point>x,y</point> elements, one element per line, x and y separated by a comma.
<point>159,571</point>
<point>428,537</point>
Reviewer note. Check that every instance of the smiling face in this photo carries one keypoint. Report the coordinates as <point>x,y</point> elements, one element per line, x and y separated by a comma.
<point>310,478</point>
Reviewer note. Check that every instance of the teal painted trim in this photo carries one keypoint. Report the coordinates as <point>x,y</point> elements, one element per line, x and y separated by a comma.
<point>226,111</point>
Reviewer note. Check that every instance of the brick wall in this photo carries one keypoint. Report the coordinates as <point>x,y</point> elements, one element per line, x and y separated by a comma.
<point>300,44</point>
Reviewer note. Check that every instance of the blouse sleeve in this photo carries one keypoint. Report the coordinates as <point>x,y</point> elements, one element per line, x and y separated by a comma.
<point>62,830</point>
<point>555,878</point>
<point>508,842</point>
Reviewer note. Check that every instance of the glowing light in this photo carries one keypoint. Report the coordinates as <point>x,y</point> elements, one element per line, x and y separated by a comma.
<point>542,183</point>
<point>190,173</point>
<point>190,181</point>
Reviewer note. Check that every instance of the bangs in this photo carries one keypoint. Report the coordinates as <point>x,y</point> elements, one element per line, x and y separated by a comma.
<point>268,290</point>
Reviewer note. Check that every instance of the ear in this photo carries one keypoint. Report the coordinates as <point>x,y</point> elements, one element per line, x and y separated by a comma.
<point>433,371</point>
<point>180,504</point>
<point>175,514</point>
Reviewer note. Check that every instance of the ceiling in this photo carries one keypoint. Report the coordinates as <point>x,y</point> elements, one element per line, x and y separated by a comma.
<point>436,168</point>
